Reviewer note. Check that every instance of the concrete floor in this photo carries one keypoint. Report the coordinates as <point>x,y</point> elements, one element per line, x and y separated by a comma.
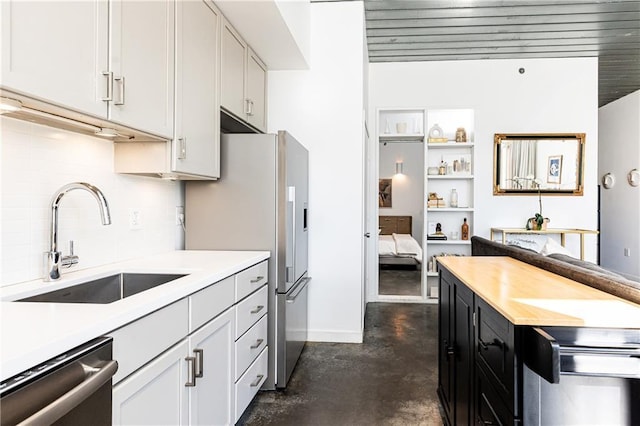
<point>400,282</point>
<point>390,379</point>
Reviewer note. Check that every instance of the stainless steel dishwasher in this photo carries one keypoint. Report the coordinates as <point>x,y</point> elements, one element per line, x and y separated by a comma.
<point>73,388</point>
<point>581,376</point>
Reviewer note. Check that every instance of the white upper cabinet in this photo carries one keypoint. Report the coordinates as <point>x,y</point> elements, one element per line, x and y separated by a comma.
<point>256,91</point>
<point>196,145</point>
<point>234,64</point>
<point>243,80</point>
<point>142,63</point>
<point>111,59</point>
<point>56,51</point>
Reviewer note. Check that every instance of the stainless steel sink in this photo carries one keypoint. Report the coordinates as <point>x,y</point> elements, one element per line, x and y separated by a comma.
<point>105,290</point>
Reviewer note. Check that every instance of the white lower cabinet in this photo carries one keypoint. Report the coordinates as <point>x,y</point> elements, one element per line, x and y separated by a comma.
<point>155,394</point>
<point>250,382</point>
<point>211,374</point>
<point>212,347</point>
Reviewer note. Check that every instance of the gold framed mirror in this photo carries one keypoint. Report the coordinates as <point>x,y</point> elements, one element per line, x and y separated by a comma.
<point>528,163</point>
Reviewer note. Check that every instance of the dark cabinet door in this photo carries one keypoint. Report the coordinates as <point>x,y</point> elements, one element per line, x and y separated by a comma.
<point>464,352</point>
<point>446,362</point>
<point>456,350</point>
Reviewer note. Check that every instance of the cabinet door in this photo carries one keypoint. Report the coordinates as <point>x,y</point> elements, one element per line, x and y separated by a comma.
<point>256,92</point>
<point>464,345</point>
<point>211,400</point>
<point>446,363</point>
<point>142,62</point>
<point>155,394</point>
<point>232,74</point>
<point>196,145</point>
<point>56,51</point>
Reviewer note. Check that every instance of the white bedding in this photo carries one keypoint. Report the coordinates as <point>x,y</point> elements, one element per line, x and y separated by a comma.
<point>401,245</point>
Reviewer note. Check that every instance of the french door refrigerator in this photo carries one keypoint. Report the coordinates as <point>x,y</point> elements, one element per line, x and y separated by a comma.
<point>260,203</point>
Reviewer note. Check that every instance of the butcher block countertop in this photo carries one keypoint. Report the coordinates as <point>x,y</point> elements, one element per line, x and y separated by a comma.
<point>527,295</point>
<point>34,332</point>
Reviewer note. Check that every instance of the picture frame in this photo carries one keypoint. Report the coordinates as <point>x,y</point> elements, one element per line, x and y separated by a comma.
<point>384,193</point>
<point>554,169</point>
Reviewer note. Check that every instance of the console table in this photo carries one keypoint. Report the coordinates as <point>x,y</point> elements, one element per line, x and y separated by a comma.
<point>561,231</point>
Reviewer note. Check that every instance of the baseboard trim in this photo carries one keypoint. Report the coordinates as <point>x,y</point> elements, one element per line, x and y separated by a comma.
<point>333,336</point>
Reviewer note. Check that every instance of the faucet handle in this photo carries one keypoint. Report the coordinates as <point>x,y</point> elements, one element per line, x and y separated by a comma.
<point>71,259</point>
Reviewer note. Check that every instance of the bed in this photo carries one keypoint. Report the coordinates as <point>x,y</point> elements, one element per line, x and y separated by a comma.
<point>396,246</point>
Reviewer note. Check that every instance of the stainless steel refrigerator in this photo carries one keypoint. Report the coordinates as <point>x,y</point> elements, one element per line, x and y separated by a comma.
<point>260,203</point>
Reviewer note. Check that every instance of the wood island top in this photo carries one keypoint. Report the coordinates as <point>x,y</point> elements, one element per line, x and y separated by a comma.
<point>527,295</point>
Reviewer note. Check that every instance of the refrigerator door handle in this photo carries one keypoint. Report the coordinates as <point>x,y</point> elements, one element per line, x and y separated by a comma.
<point>291,234</point>
<point>299,288</point>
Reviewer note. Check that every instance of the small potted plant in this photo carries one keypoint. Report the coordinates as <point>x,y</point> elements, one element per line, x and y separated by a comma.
<point>538,222</point>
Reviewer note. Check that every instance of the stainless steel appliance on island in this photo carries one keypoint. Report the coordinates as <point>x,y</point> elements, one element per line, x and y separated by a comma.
<point>260,203</point>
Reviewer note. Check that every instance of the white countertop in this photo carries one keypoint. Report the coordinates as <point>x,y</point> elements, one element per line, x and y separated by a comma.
<point>34,332</point>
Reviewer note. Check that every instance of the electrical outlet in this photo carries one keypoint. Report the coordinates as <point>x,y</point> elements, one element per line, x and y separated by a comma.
<point>627,252</point>
<point>135,219</point>
<point>179,215</point>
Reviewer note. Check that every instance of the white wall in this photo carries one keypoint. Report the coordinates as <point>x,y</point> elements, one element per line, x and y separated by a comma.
<point>323,109</point>
<point>407,188</point>
<point>552,96</point>
<point>36,161</point>
<point>620,206</point>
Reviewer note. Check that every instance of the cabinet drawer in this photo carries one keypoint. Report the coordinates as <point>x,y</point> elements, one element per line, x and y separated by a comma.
<point>490,409</point>
<point>250,310</point>
<point>250,345</point>
<point>139,342</point>
<point>495,351</point>
<point>250,382</point>
<point>210,302</point>
<point>251,279</point>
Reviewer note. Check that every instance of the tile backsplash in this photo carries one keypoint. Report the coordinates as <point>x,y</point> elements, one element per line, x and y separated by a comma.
<point>35,162</point>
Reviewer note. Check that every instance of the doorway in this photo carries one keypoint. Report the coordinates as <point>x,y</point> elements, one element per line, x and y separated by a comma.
<point>400,219</point>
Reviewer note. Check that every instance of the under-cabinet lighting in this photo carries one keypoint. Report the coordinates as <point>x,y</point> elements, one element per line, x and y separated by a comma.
<point>106,132</point>
<point>9,105</point>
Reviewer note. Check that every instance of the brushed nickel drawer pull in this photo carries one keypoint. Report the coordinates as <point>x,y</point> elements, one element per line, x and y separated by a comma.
<point>109,76</point>
<point>257,279</point>
<point>192,360</point>
<point>199,362</point>
<point>257,344</point>
<point>257,309</point>
<point>120,80</point>
<point>257,380</point>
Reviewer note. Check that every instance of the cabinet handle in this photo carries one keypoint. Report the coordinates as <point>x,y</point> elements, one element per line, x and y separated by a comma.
<point>449,349</point>
<point>199,371</point>
<point>120,80</point>
<point>257,380</point>
<point>485,346</point>
<point>257,344</point>
<point>182,148</point>
<point>109,76</point>
<point>257,279</point>
<point>192,371</point>
<point>257,309</point>
<point>247,106</point>
<point>250,108</point>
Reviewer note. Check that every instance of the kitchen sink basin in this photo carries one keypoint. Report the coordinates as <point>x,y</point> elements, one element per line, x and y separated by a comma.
<point>105,290</point>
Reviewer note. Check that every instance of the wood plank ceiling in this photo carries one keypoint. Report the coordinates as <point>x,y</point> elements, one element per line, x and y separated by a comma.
<point>443,30</point>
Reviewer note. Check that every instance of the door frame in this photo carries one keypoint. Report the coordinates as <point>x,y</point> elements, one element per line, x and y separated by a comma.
<point>372,175</point>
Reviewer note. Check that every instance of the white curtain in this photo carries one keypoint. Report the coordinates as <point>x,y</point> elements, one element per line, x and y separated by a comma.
<point>522,163</point>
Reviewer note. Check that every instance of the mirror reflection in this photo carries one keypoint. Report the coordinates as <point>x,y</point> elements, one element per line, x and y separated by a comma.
<point>528,163</point>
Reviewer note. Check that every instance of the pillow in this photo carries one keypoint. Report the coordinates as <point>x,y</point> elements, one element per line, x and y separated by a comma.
<point>386,245</point>
<point>552,247</point>
<point>525,243</point>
